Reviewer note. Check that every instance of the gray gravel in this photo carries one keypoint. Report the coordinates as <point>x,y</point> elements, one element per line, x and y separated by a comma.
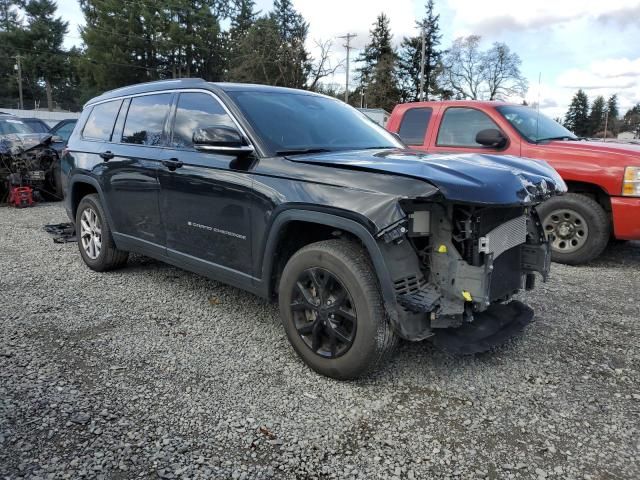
<point>156,373</point>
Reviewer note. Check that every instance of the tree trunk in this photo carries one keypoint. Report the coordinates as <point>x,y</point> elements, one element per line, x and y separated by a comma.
<point>49,96</point>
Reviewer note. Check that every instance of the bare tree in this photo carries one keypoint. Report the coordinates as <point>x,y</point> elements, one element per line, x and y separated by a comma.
<point>502,74</point>
<point>463,66</point>
<point>322,68</point>
<point>470,73</point>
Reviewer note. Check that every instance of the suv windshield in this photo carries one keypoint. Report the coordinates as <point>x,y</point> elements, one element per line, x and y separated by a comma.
<point>303,123</point>
<point>533,126</point>
<point>11,125</point>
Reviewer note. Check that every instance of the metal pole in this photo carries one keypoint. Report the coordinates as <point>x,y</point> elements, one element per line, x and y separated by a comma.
<point>348,46</point>
<point>422,62</point>
<point>606,124</point>
<point>18,58</point>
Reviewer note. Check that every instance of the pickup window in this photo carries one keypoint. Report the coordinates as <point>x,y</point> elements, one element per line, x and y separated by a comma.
<point>460,126</point>
<point>414,125</point>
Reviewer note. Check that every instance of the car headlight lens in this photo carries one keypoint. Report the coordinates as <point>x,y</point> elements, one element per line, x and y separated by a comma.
<point>631,183</point>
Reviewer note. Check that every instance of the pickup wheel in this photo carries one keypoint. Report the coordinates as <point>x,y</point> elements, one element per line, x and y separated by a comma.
<point>332,310</point>
<point>580,226</point>
<point>95,242</point>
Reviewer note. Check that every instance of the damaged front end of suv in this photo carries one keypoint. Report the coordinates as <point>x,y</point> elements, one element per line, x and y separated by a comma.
<point>29,160</point>
<point>458,254</point>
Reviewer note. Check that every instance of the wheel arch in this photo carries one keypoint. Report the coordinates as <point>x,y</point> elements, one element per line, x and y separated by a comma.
<point>79,187</point>
<point>322,225</point>
<point>592,190</point>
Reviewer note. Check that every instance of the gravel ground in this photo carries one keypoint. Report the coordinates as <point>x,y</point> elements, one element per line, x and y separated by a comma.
<point>156,373</point>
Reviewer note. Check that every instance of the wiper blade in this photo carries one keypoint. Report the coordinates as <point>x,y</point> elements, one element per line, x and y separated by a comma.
<point>301,151</point>
<point>565,137</point>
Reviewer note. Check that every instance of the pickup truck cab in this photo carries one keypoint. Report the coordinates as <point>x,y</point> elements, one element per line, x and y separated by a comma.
<point>603,178</point>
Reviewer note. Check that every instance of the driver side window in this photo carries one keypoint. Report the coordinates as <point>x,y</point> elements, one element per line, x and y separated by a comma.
<point>460,126</point>
<point>197,110</point>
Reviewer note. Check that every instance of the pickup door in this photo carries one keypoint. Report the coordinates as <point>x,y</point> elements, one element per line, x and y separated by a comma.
<point>453,129</point>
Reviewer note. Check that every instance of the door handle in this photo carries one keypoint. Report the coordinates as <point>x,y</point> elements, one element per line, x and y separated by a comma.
<point>106,156</point>
<point>172,164</point>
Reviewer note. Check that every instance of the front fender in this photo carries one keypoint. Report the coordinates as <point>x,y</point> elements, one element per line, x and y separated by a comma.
<point>341,223</point>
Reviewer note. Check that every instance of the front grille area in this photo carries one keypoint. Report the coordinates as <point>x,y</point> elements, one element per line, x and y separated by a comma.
<point>410,284</point>
<point>504,237</point>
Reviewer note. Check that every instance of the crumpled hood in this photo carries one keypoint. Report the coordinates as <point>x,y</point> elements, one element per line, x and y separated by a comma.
<point>13,143</point>
<point>468,178</point>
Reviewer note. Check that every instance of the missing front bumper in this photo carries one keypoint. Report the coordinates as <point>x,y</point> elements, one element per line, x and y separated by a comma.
<point>490,328</point>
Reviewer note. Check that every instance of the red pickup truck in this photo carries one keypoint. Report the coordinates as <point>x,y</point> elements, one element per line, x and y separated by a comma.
<point>603,202</point>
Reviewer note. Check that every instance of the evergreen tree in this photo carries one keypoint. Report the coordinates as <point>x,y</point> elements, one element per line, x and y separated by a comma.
<point>379,45</point>
<point>131,42</point>
<point>411,54</point>
<point>614,114</point>
<point>577,117</point>
<point>43,40</point>
<point>294,62</point>
<point>596,117</point>
<point>245,16</point>
<point>631,120</point>
<point>378,72</point>
<point>257,59</point>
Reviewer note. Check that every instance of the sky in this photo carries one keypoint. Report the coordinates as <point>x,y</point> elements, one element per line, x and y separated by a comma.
<point>564,44</point>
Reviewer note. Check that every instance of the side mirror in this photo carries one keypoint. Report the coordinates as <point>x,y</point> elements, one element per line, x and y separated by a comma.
<point>220,138</point>
<point>491,137</point>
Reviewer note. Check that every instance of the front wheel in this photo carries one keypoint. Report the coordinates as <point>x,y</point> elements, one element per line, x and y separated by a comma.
<point>580,228</point>
<point>332,310</point>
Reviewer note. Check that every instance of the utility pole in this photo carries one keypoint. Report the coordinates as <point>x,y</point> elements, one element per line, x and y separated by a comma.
<point>348,46</point>
<point>19,69</point>
<point>422,62</point>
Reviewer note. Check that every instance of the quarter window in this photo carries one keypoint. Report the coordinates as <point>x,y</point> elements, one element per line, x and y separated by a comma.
<point>414,125</point>
<point>101,119</point>
<point>461,125</point>
<point>145,120</point>
<point>194,111</point>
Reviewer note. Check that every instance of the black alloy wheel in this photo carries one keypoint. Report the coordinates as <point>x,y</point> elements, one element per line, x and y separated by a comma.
<point>323,313</point>
<point>332,309</point>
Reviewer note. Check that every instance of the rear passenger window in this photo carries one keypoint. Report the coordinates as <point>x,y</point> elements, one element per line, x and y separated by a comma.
<point>145,120</point>
<point>461,125</point>
<point>101,119</point>
<point>197,110</point>
<point>414,125</point>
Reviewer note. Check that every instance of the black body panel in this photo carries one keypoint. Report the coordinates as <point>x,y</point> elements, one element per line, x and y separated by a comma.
<point>221,214</point>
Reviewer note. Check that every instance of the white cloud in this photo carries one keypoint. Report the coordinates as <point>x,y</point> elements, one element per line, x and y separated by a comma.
<point>604,77</point>
<point>331,18</point>
<point>491,15</point>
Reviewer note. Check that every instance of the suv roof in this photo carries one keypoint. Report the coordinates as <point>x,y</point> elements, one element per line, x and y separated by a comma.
<point>182,83</point>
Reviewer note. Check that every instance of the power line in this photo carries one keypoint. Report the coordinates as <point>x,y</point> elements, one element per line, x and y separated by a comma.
<point>68,55</point>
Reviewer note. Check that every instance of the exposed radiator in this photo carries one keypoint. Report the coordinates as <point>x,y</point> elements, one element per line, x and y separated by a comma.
<point>504,237</point>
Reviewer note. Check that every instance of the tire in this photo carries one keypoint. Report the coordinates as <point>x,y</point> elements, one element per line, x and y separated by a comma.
<point>105,257</point>
<point>580,225</point>
<point>348,266</point>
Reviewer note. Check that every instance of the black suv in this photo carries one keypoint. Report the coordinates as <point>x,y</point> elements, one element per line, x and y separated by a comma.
<point>300,197</point>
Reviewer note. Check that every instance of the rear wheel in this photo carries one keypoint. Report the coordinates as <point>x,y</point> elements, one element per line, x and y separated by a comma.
<point>94,237</point>
<point>579,225</point>
<point>332,310</point>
